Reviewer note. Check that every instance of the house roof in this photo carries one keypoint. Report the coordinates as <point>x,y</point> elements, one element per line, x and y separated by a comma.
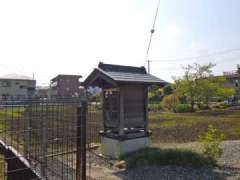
<point>16,77</point>
<point>65,75</point>
<point>118,74</point>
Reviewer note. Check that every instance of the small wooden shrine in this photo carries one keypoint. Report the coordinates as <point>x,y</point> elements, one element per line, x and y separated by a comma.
<point>125,103</point>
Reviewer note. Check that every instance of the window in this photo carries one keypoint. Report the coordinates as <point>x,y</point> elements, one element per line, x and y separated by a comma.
<point>5,96</point>
<point>236,83</point>
<point>6,84</point>
<point>76,94</point>
<point>20,97</point>
<point>54,84</point>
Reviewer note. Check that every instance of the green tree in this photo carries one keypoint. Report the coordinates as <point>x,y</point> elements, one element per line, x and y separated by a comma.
<point>169,102</point>
<point>189,84</point>
<point>154,95</point>
<point>168,89</point>
<point>213,87</point>
<point>186,88</point>
<point>225,93</point>
<point>199,85</point>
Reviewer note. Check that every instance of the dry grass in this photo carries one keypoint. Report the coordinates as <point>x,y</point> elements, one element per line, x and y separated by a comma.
<point>186,127</point>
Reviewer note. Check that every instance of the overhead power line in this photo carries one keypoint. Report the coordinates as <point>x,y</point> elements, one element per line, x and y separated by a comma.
<point>2,66</point>
<point>198,57</point>
<point>151,35</point>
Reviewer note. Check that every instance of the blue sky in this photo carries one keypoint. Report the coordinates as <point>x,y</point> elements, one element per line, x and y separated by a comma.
<point>204,27</point>
<point>51,37</point>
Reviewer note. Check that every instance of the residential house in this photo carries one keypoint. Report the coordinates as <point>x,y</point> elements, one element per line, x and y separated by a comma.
<point>16,86</point>
<point>65,86</point>
<point>43,91</point>
<point>233,80</point>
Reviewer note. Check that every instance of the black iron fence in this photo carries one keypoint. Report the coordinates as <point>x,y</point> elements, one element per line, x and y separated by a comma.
<point>48,138</point>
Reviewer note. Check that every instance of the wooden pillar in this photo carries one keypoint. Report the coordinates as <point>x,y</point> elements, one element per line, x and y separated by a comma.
<point>146,109</point>
<point>104,110</point>
<point>121,119</point>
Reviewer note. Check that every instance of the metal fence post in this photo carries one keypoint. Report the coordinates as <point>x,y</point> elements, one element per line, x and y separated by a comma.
<point>27,129</point>
<point>81,141</point>
<point>44,142</point>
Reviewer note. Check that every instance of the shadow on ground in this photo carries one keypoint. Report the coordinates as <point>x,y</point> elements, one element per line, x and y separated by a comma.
<point>155,163</point>
<point>168,156</point>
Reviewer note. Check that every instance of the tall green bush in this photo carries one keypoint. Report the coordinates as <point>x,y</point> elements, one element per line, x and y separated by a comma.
<point>154,107</point>
<point>211,143</point>
<point>182,108</point>
<point>155,95</point>
<point>169,102</point>
<point>168,89</point>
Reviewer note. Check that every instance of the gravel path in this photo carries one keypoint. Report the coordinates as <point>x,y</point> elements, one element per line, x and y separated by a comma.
<point>231,155</point>
<point>230,162</point>
<point>179,173</point>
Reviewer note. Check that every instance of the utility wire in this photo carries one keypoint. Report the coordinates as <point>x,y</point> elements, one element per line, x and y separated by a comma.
<point>2,66</point>
<point>151,35</point>
<point>198,57</point>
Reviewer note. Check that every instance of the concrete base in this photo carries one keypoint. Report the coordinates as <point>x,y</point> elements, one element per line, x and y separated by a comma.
<point>114,148</point>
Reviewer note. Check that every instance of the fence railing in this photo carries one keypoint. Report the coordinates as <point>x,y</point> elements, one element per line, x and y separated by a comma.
<point>47,138</point>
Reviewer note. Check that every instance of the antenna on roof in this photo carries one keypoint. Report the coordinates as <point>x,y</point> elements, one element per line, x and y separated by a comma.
<point>151,35</point>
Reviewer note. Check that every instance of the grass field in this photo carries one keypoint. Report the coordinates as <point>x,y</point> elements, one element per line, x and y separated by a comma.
<point>175,134</point>
<point>2,167</point>
<point>169,130</point>
<point>186,127</point>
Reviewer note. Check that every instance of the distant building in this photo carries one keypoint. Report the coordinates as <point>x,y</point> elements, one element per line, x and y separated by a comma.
<point>43,91</point>
<point>66,86</point>
<point>233,80</point>
<point>16,86</point>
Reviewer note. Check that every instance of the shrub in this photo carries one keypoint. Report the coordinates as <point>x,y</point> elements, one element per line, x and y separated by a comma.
<point>169,102</point>
<point>154,107</point>
<point>211,143</point>
<point>168,89</point>
<point>181,108</point>
<point>155,95</point>
<point>166,157</point>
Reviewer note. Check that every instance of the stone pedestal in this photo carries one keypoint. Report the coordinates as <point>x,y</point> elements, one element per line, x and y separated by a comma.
<point>114,147</point>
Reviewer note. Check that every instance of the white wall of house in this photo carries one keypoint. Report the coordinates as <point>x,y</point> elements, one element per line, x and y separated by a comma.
<point>17,88</point>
